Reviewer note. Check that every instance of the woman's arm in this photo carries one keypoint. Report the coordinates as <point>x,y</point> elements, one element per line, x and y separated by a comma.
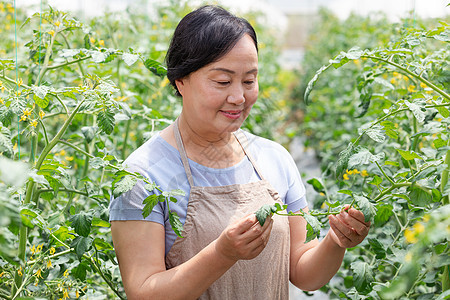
<point>313,264</point>
<point>140,247</point>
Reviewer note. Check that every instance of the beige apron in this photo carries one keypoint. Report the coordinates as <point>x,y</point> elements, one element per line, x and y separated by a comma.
<point>210,210</point>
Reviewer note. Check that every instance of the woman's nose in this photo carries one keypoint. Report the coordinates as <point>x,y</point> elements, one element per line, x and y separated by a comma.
<point>236,95</point>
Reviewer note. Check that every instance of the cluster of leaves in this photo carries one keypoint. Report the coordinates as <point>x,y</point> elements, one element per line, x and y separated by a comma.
<point>391,157</point>
<point>79,98</point>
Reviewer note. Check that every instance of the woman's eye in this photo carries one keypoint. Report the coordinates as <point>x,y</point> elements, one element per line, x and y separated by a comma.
<point>249,82</point>
<point>223,82</point>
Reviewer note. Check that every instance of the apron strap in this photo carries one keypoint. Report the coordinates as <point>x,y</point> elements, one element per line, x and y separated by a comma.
<point>243,141</point>
<point>182,151</point>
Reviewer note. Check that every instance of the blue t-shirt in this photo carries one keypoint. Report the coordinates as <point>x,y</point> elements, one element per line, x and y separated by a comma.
<point>161,163</point>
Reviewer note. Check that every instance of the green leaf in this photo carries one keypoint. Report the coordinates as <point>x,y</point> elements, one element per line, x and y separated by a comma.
<point>150,187</point>
<point>6,115</point>
<point>416,110</point>
<point>263,212</point>
<point>384,212</point>
<point>6,147</point>
<point>155,67</point>
<point>97,162</point>
<point>377,180</point>
<point>129,58</point>
<point>313,227</point>
<point>101,244</point>
<point>87,41</point>
<point>81,222</point>
<point>419,197</point>
<point>100,223</point>
<point>376,133</point>
<point>317,185</point>
<point>89,132</point>
<point>172,193</point>
<point>408,155</point>
<point>348,192</point>
<point>439,143</point>
<point>437,195</point>
<point>312,82</point>
<point>176,224</point>
<point>363,157</point>
<point>445,113</point>
<point>81,244</point>
<point>105,121</point>
<point>339,60</point>
<point>80,271</point>
<point>362,276</point>
<point>344,157</point>
<point>149,203</point>
<point>378,248</point>
<point>124,185</point>
<point>367,208</point>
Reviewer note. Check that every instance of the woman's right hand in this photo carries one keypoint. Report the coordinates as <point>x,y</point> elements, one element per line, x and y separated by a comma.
<point>244,239</point>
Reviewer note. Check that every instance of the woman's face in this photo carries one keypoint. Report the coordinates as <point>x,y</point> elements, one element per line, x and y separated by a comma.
<point>218,97</point>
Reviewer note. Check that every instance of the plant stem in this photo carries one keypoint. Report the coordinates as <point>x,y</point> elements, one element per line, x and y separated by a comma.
<point>428,83</point>
<point>445,201</point>
<point>384,174</point>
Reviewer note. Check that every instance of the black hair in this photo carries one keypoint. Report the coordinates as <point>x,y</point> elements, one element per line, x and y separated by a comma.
<point>204,36</point>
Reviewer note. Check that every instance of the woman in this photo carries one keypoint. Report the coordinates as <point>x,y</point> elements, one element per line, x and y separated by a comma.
<point>227,175</point>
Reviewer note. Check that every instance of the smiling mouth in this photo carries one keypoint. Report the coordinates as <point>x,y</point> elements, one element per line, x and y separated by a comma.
<point>232,114</point>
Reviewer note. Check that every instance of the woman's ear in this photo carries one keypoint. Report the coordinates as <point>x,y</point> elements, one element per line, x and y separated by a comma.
<point>180,85</point>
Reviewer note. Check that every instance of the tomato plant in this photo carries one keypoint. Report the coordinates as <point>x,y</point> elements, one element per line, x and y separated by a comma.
<point>75,100</point>
<point>392,156</point>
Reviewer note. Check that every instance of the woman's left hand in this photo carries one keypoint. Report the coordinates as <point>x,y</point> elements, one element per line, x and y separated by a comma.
<point>348,228</point>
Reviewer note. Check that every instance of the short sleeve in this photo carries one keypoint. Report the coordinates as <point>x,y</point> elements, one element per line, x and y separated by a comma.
<point>129,205</point>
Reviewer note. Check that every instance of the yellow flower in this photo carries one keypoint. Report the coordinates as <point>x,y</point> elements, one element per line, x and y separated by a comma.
<point>19,271</point>
<point>410,236</point>
<point>77,294</point>
<point>62,152</point>
<point>92,40</point>
<point>66,273</point>
<point>20,82</point>
<point>57,23</point>
<point>65,294</point>
<point>51,32</point>
<point>364,173</point>
<point>27,112</point>
<point>349,172</point>
<point>41,114</point>
<point>405,78</point>
<point>355,171</point>
<point>423,85</point>
<point>39,248</point>
<point>38,273</point>
<point>323,206</point>
<point>69,158</point>
<point>408,257</point>
<point>49,264</point>
<point>411,88</point>
<point>52,250</point>
<point>426,218</point>
<point>101,43</point>
<point>1,274</point>
<point>23,118</point>
<point>346,177</point>
<point>397,75</point>
<point>393,80</point>
<point>1,101</point>
<point>33,123</point>
<point>33,249</point>
<point>419,228</point>
<point>165,82</point>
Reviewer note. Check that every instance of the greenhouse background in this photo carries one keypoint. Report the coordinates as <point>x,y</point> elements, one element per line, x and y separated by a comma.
<point>357,91</point>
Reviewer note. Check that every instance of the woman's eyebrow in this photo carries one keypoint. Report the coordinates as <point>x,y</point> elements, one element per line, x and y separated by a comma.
<point>255,70</point>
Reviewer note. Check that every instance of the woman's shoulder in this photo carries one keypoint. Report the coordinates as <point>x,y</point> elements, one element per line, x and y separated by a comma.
<point>257,143</point>
<point>153,151</point>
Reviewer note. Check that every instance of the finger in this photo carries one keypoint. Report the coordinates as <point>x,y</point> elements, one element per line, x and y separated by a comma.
<point>355,224</point>
<point>341,239</point>
<point>358,215</point>
<point>259,235</point>
<point>341,226</point>
<point>245,224</point>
